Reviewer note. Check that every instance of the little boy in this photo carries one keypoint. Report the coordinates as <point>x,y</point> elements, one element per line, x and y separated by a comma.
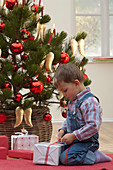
<point>79,132</point>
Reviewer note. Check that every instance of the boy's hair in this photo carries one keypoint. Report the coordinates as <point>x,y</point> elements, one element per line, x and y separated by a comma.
<point>68,73</point>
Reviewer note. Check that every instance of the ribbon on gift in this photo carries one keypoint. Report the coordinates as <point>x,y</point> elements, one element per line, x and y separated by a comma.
<point>21,133</point>
<point>47,152</point>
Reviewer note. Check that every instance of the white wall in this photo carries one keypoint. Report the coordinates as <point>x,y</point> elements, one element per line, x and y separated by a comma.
<point>61,13</point>
<point>101,75</point>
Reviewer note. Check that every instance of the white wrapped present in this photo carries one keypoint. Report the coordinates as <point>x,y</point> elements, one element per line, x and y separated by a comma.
<point>47,153</point>
<point>25,142</point>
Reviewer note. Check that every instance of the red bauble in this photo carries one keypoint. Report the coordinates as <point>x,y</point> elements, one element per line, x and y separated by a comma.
<point>15,67</point>
<point>7,85</point>
<point>48,79</point>
<point>3,118</point>
<point>25,34</point>
<point>18,97</point>
<point>34,8</point>
<point>64,113</point>
<point>2,25</point>
<point>16,48</point>
<point>64,58</point>
<point>24,57</point>
<point>85,76</point>
<point>47,117</point>
<point>32,37</point>
<point>11,3</point>
<point>27,82</point>
<point>4,54</point>
<point>36,87</point>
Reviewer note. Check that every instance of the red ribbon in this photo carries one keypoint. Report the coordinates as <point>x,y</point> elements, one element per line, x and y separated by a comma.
<point>46,157</point>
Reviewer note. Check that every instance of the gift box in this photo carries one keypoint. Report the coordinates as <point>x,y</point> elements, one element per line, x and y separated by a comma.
<point>47,153</point>
<point>25,142</point>
<point>21,153</point>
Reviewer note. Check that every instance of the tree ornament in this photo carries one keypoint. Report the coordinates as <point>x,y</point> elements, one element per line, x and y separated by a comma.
<point>64,113</point>
<point>31,37</point>
<point>48,79</point>
<point>44,27</point>
<point>19,116</point>
<point>11,3</point>
<point>85,76</point>
<point>42,33</point>
<point>3,118</point>
<point>34,8</point>
<point>2,25</point>
<point>3,3</point>
<point>37,17</point>
<point>47,117</point>
<point>81,45</point>
<point>43,61</point>
<point>24,57</point>
<point>25,34</point>
<point>4,54</point>
<point>50,38</point>
<point>54,30</point>
<point>27,82</point>
<point>15,67</point>
<point>74,47</point>
<point>60,95</point>
<point>36,87</point>
<point>49,60</point>
<point>6,85</point>
<point>64,58</point>
<point>39,3</point>
<point>27,117</point>
<point>18,97</point>
<point>38,29</point>
<point>16,48</point>
<point>63,102</point>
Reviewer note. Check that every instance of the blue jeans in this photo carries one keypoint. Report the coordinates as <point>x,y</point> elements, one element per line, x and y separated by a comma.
<point>79,153</point>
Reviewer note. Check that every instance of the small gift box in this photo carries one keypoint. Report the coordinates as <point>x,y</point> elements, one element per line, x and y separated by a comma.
<point>47,153</point>
<point>25,142</point>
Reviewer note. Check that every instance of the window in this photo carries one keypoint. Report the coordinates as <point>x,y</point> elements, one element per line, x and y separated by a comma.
<point>96,19</point>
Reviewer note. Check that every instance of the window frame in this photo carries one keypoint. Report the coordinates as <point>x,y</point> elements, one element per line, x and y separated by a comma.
<point>105,25</point>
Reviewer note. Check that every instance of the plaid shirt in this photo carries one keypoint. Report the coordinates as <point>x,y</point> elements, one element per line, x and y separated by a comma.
<point>89,116</point>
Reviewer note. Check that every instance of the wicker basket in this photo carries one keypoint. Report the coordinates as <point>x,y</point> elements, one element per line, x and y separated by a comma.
<point>40,127</point>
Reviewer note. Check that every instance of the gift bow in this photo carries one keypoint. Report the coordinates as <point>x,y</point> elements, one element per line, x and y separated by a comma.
<point>20,113</point>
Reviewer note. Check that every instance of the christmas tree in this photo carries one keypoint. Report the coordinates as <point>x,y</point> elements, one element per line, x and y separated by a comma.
<point>29,56</point>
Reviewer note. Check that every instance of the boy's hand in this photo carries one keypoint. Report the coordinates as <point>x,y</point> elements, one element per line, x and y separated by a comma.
<point>60,134</point>
<point>68,138</point>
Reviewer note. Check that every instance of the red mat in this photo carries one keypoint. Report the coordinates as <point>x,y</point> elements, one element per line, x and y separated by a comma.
<point>23,164</point>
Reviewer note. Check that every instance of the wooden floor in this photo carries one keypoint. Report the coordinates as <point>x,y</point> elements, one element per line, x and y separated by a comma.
<point>105,139</point>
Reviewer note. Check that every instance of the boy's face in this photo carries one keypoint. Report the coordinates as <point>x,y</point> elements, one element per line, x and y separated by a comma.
<point>69,90</point>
